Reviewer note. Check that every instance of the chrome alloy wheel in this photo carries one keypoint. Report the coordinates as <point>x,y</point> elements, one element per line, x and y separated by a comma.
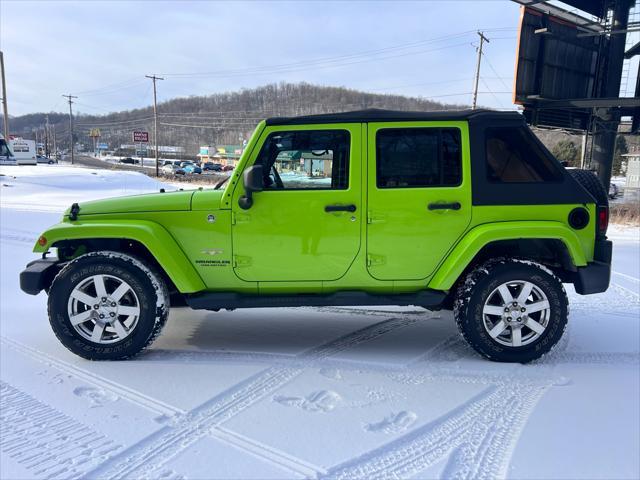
<point>103,309</point>
<point>516,313</point>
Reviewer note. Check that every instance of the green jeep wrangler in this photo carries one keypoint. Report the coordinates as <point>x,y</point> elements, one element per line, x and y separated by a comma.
<point>464,211</point>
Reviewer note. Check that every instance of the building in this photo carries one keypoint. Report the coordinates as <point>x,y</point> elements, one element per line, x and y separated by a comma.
<point>208,153</point>
<point>230,154</point>
<point>632,186</point>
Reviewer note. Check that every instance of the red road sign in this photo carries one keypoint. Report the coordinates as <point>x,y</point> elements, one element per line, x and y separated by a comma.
<point>140,137</point>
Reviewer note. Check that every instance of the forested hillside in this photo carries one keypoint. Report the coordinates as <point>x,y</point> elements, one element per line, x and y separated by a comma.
<point>222,118</point>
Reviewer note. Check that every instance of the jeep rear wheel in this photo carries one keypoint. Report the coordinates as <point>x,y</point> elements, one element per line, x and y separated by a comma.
<point>107,306</point>
<point>511,310</point>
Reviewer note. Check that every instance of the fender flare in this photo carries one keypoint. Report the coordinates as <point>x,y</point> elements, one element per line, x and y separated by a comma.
<point>150,234</point>
<point>478,237</point>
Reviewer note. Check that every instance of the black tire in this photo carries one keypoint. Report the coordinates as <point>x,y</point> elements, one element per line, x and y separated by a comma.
<point>480,284</point>
<point>591,183</point>
<point>152,299</point>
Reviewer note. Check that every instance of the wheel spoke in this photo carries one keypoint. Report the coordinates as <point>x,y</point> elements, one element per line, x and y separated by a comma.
<point>81,317</point>
<point>98,282</point>
<point>493,310</point>
<point>516,337</point>
<point>120,329</point>
<point>84,298</point>
<point>537,306</point>
<point>126,310</point>
<point>119,292</point>
<point>525,292</point>
<point>497,329</point>
<point>535,326</point>
<point>96,335</point>
<point>505,294</point>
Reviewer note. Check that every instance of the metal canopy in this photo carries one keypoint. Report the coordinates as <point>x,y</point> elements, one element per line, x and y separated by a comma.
<point>580,22</point>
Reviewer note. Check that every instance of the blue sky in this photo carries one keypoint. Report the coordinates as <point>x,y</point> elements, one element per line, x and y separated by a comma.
<point>101,51</point>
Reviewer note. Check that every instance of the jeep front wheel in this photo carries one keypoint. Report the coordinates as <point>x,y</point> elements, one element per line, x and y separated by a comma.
<point>511,310</point>
<point>107,306</point>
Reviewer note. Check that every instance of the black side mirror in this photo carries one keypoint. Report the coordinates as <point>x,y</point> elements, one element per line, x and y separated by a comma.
<point>253,182</point>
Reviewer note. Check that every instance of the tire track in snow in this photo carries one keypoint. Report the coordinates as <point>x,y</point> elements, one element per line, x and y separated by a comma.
<point>628,277</point>
<point>626,293</point>
<point>18,237</point>
<point>478,437</point>
<point>47,442</point>
<point>147,456</point>
<point>122,391</point>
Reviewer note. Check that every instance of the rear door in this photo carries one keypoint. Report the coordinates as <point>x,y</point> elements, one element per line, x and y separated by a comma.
<point>419,196</point>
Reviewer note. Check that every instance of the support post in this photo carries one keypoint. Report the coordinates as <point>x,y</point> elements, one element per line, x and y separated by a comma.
<point>607,120</point>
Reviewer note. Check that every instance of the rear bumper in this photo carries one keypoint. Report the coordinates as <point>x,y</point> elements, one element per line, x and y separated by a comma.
<point>39,275</point>
<point>595,277</point>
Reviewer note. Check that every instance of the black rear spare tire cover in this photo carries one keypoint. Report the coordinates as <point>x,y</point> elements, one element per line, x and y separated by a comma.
<point>591,184</point>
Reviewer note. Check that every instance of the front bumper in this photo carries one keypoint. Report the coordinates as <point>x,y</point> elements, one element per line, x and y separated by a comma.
<point>39,275</point>
<point>595,277</point>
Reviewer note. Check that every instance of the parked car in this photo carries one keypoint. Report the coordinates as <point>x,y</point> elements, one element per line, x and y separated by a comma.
<point>189,167</point>
<point>130,161</point>
<point>487,224</point>
<point>211,166</point>
<point>227,168</point>
<point>169,169</point>
<point>43,159</point>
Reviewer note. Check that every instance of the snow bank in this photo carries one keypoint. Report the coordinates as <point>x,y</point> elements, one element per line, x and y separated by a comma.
<point>54,187</point>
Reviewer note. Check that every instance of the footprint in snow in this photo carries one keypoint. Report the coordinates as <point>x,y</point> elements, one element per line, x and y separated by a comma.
<point>96,396</point>
<point>322,401</point>
<point>332,373</point>
<point>394,423</point>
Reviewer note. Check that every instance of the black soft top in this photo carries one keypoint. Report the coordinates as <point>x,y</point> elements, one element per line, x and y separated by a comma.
<point>380,115</point>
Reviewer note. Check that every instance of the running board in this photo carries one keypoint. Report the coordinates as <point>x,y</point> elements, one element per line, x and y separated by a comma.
<point>430,299</point>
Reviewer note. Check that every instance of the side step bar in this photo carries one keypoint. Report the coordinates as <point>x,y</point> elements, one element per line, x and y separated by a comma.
<point>430,299</point>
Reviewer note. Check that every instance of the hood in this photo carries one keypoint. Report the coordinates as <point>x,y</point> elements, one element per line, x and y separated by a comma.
<point>151,202</point>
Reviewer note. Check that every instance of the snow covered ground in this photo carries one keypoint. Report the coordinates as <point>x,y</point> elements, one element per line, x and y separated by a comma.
<point>306,393</point>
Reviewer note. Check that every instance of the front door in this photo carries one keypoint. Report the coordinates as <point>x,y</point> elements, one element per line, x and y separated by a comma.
<point>419,196</point>
<point>305,225</point>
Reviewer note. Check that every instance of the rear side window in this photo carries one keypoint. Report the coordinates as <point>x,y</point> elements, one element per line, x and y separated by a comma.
<point>513,156</point>
<point>418,157</point>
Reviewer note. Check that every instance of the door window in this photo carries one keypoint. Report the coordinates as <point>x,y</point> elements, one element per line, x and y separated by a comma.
<point>306,160</point>
<point>418,157</point>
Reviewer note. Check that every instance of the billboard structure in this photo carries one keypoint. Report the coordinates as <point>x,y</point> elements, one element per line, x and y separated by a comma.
<point>569,69</point>
<point>555,61</point>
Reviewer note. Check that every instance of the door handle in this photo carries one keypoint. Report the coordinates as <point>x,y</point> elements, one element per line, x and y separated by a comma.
<point>445,206</point>
<point>340,208</point>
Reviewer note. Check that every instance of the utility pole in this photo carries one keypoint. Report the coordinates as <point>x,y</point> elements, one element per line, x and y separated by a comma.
<point>477,79</point>
<point>69,98</point>
<point>55,145</point>
<point>607,120</point>
<point>46,136</point>
<point>5,110</point>
<point>155,120</point>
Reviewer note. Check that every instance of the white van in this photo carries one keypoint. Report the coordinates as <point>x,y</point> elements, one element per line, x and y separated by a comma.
<point>24,151</point>
<point>6,155</point>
